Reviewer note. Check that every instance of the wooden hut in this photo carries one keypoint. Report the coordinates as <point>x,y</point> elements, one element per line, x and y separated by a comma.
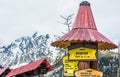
<point>37,68</point>
<point>4,71</point>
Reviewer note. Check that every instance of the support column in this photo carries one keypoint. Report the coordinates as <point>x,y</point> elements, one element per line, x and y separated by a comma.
<point>84,65</point>
<point>94,65</point>
<point>88,64</point>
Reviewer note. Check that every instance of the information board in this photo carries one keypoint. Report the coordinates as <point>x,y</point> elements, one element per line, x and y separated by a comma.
<point>88,73</point>
<point>69,66</point>
<point>82,54</point>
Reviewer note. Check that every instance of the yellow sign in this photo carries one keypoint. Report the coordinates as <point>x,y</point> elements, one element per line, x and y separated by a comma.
<point>82,54</point>
<point>88,73</point>
<point>69,66</point>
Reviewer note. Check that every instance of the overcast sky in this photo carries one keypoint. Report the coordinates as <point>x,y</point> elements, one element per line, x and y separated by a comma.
<point>24,17</point>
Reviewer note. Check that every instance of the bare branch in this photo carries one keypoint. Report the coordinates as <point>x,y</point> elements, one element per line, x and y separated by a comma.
<point>68,21</point>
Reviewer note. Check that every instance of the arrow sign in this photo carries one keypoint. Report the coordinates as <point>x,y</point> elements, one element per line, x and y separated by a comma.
<point>88,73</point>
<point>69,66</point>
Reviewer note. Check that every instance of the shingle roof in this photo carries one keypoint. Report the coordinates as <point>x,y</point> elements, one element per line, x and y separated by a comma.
<point>3,70</point>
<point>29,67</point>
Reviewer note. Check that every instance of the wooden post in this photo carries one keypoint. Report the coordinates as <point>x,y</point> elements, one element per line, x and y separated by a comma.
<point>84,65</point>
<point>94,65</point>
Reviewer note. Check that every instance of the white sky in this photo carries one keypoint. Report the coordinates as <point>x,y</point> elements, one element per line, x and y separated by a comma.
<point>24,17</point>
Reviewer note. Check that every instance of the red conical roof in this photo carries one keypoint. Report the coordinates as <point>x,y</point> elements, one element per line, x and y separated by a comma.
<point>84,30</point>
<point>84,18</point>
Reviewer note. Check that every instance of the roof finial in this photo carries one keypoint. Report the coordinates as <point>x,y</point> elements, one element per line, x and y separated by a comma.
<point>85,3</point>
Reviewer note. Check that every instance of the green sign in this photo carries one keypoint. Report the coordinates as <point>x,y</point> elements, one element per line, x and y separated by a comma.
<point>82,54</point>
<point>69,66</point>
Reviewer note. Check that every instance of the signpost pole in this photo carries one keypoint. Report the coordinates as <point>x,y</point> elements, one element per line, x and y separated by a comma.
<point>83,42</point>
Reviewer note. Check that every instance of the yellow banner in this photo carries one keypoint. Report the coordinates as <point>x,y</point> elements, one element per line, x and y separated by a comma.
<point>69,66</point>
<point>82,54</point>
<point>88,73</point>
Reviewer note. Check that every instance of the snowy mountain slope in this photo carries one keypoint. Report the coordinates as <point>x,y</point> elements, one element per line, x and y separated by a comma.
<point>29,48</point>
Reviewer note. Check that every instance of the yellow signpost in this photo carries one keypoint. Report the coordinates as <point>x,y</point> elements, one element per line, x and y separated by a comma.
<point>88,73</point>
<point>82,54</point>
<point>69,66</point>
